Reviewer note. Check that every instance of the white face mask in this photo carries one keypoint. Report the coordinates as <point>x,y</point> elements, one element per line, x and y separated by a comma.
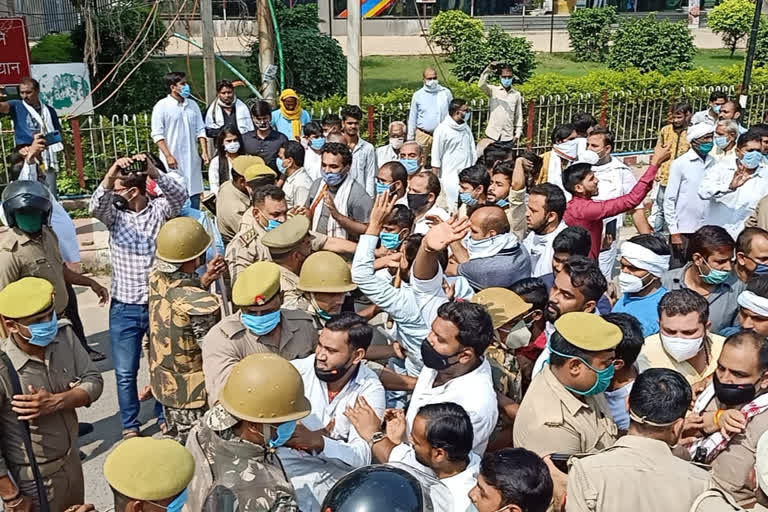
<point>631,283</point>
<point>569,148</point>
<point>232,147</point>
<point>396,142</point>
<point>589,157</point>
<point>681,349</point>
<point>431,84</point>
<point>519,336</point>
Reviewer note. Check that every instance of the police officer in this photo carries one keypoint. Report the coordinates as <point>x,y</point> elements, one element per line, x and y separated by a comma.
<point>235,445</point>
<point>29,247</point>
<point>148,474</point>
<point>259,325</point>
<point>55,376</point>
<point>234,197</point>
<point>325,280</point>
<point>181,312</point>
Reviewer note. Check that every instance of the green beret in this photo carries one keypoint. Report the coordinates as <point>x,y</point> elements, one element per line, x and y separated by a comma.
<point>503,305</point>
<point>588,331</point>
<point>257,284</point>
<point>144,468</point>
<point>285,237</point>
<point>26,297</point>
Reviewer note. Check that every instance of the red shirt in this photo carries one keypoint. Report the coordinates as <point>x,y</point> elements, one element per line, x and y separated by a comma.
<point>589,214</point>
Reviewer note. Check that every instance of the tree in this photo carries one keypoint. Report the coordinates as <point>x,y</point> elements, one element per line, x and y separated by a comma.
<point>472,56</point>
<point>732,19</point>
<point>652,45</point>
<point>451,29</point>
<point>590,32</point>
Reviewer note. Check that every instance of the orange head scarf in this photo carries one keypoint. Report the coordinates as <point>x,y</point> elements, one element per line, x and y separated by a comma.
<point>293,115</point>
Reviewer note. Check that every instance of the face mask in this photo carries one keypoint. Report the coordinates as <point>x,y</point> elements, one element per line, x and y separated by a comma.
<point>681,349</point>
<point>502,203</point>
<point>506,82</point>
<point>721,141</point>
<point>396,142</point>
<point>733,394</point>
<point>590,157</point>
<point>411,165</point>
<point>280,165</point>
<point>232,147</point>
<point>29,222</point>
<point>334,179</point>
<point>317,143</point>
<point>706,148</point>
<point>568,148</point>
<point>177,504</point>
<point>434,359</point>
<point>186,91</point>
<point>390,240</point>
<point>284,432</point>
<point>382,188</point>
<point>120,202</point>
<point>43,333</point>
<point>333,374</point>
<point>261,325</point>
<point>467,199</point>
<point>760,269</point>
<point>715,276</point>
<point>752,159</point>
<point>519,336</point>
<point>261,125</point>
<point>272,224</point>
<point>602,381</point>
<point>716,108</point>
<point>431,85</point>
<point>632,284</point>
<point>417,202</point>
<point>467,116</point>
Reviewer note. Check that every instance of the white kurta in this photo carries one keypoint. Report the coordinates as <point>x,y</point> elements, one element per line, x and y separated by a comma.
<point>180,125</point>
<point>540,249</point>
<point>453,150</point>
<point>214,117</point>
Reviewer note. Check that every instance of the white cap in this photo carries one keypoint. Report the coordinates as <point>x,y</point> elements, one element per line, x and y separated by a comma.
<point>699,130</point>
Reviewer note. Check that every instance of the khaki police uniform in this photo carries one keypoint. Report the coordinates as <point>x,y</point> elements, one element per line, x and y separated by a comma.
<point>230,341</point>
<point>24,255</point>
<point>717,500</point>
<point>66,365</point>
<point>231,204</point>
<point>636,474</point>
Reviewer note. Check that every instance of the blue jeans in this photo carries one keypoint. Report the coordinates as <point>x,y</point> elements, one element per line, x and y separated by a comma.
<point>195,200</point>
<point>127,325</point>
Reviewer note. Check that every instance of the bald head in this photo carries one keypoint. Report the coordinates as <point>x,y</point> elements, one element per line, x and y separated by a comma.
<point>430,74</point>
<point>336,137</point>
<point>488,221</point>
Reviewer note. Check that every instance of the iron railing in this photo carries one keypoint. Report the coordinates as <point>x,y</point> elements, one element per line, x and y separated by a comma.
<point>635,120</point>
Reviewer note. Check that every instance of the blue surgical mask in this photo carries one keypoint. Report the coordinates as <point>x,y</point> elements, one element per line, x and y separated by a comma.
<point>280,166</point>
<point>382,188</point>
<point>177,504</point>
<point>761,269</point>
<point>602,381</point>
<point>752,159</point>
<point>390,240</point>
<point>502,203</point>
<point>716,108</point>
<point>411,165</point>
<point>715,276</point>
<point>186,91</point>
<point>334,179</point>
<point>272,224</point>
<point>261,324</point>
<point>721,141</point>
<point>284,433</point>
<point>467,199</point>
<point>706,147</point>
<point>317,143</point>
<point>467,116</point>
<point>506,83</point>
<point>43,333</point>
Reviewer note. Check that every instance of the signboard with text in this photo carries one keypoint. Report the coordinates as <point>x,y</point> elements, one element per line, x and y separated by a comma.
<point>65,86</point>
<point>14,51</point>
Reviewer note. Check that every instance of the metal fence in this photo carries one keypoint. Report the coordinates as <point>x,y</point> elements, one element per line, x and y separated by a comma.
<point>634,119</point>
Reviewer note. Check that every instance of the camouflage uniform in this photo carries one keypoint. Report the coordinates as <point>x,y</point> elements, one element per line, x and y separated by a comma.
<point>181,313</point>
<point>226,465</point>
<point>507,377</point>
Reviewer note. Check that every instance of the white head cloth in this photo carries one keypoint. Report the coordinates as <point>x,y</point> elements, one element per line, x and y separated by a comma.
<point>698,130</point>
<point>644,258</point>
<point>753,302</point>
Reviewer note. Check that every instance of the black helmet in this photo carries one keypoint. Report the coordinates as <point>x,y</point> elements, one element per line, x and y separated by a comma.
<point>26,194</point>
<point>377,488</point>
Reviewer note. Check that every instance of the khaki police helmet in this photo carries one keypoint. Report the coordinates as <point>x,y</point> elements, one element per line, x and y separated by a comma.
<point>265,388</point>
<point>326,272</point>
<point>182,239</point>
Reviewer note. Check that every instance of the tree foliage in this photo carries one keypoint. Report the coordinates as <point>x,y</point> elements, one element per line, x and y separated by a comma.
<point>473,56</point>
<point>732,19</point>
<point>649,44</point>
<point>452,29</point>
<point>590,32</point>
<point>117,27</point>
<point>53,48</point>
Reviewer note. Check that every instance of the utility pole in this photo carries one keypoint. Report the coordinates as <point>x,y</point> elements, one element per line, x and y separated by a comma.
<point>266,47</point>
<point>209,58</point>
<point>354,50</point>
<point>750,54</point>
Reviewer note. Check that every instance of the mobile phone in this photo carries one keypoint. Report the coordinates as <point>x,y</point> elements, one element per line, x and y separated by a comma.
<point>560,460</point>
<point>53,137</point>
<point>611,228</point>
<point>136,167</point>
<point>12,92</point>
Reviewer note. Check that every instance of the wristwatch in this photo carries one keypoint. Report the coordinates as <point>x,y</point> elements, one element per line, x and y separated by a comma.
<point>377,436</point>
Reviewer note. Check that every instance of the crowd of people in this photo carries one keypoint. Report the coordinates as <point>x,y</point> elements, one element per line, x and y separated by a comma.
<point>442,323</point>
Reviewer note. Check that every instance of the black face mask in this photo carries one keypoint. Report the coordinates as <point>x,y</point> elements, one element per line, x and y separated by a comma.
<point>733,394</point>
<point>331,375</point>
<point>417,202</point>
<point>434,359</point>
<point>120,202</point>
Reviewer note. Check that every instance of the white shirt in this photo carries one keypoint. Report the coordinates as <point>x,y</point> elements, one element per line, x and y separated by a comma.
<point>453,150</point>
<point>313,163</point>
<point>731,208</point>
<point>421,226</point>
<point>344,442</point>
<point>180,125</point>
<point>540,249</point>
<point>684,210</point>
<point>473,391</point>
<point>214,117</point>
<point>385,154</point>
<point>213,174</point>
<point>427,110</point>
<point>296,187</point>
<point>363,168</point>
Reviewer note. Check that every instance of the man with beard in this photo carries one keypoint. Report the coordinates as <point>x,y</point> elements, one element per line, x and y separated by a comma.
<point>544,218</point>
<point>334,379</point>
<point>227,110</point>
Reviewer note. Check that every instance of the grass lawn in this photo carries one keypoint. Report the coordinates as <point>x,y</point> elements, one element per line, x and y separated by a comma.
<point>381,74</point>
